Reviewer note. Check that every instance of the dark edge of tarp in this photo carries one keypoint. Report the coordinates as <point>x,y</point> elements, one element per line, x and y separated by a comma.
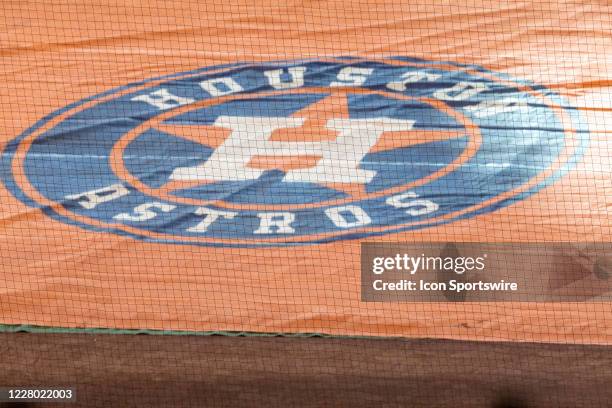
<point>35,329</point>
<point>26,328</point>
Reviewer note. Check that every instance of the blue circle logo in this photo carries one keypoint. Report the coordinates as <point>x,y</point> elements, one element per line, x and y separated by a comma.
<point>295,152</point>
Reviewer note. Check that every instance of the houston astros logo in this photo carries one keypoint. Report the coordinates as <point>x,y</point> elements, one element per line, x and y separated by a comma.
<point>294,152</point>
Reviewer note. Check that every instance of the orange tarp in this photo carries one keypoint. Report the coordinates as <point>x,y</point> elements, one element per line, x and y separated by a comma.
<point>56,53</point>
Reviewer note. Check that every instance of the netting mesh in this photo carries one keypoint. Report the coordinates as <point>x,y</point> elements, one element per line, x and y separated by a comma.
<point>186,167</point>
